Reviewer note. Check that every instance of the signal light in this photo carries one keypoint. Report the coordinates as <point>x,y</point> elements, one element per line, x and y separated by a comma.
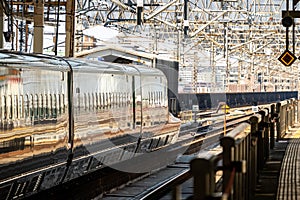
<point>287,21</point>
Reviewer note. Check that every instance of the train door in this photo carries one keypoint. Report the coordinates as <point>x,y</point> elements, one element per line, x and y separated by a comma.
<point>137,103</point>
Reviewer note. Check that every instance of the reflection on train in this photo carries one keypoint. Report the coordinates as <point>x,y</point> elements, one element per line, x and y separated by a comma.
<point>60,118</point>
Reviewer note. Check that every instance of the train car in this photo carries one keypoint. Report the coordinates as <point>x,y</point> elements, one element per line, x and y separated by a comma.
<point>62,118</point>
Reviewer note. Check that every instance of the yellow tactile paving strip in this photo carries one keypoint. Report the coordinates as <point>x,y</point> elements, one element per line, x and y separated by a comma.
<point>294,132</point>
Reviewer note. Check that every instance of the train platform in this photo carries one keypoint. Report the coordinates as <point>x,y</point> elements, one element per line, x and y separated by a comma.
<point>279,179</point>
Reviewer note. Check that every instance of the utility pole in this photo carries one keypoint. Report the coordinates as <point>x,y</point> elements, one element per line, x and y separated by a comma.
<point>1,27</point>
<point>70,28</point>
<point>38,27</point>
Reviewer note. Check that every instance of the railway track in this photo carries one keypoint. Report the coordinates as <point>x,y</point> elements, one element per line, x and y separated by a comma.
<point>107,181</point>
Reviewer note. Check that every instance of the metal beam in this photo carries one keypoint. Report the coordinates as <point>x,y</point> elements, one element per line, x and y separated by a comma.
<point>122,5</point>
<point>294,14</point>
<point>207,24</point>
<point>160,10</point>
<point>248,42</point>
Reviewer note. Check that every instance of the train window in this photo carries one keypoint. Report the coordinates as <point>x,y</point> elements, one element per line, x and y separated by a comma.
<point>16,107</point>
<point>96,101</point>
<point>120,98</point>
<point>46,106</point>
<point>4,110</point>
<point>100,101</point>
<point>41,107</point>
<point>35,107</point>
<point>149,97</point>
<point>1,110</point>
<point>26,106</point>
<point>106,100</point>
<point>50,106</point>
<point>59,104</point>
<point>103,101</point>
<point>31,106</point>
<point>116,102</point>
<point>9,106</point>
<point>89,101</point>
<point>153,98</point>
<point>160,98</point>
<point>21,106</point>
<point>129,100</point>
<point>110,100</point>
<point>78,101</point>
<point>113,97</point>
<point>124,99</point>
<point>84,100</point>
<point>93,101</point>
<point>63,103</point>
<point>54,106</point>
<point>117,96</point>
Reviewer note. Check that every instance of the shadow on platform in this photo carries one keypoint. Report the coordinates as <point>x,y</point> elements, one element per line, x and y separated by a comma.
<point>268,178</point>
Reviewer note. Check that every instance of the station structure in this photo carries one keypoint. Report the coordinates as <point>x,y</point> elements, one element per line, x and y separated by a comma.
<point>220,45</point>
<point>206,46</point>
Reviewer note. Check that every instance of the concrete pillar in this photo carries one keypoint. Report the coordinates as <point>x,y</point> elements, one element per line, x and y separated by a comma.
<point>70,28</point>
<point>38,31</point>
<point>1,28</point>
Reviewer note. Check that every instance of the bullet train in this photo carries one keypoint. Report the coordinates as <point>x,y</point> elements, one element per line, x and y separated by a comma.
<point>62,118</point>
